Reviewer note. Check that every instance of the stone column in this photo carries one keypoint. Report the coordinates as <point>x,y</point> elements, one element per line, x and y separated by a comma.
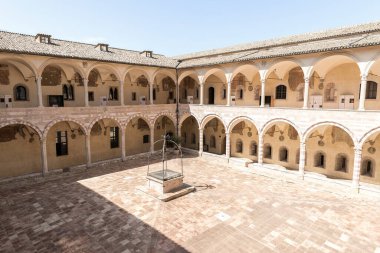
<point>152,139</point>
<point>302,159</point>
<point>39,91</point>
<point>363,91</point>
<point>200,141</point>
<point>357,165</point>
<point>122,93</point>
<point>44,160</point>
<point>123,144</point>
<point>151,93</point>
<point>262,92</point>
<point>88,150</point>
<point>229,93</point>
<point>85,84</point>
<point>201,93</point>
<point>306,94</point>
<point>261,151</point>
<point>228,146</point>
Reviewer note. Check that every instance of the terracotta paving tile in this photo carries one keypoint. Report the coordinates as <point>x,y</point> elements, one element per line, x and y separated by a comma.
<point>100,210</point>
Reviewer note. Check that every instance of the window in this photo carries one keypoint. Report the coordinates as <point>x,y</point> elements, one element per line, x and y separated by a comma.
<point>368,168</point>
<point>341,163</point>
<point>239,146</point>
<point>268,151</point>
<point>61,143</point>
<point>115,94</point>
<point>371,90</point>
<point>224,95</point>
<point>319,160</point>
<point>146,138</point>
<point>193,138</point>
<point>171,95</point>
<point>253,150</point>
<point>154,94</point>
<point>212,141</point>
<point>20,93</point>
<point>114,137</point>
<point>197,94</point>
<point>283,156</point>
<point>281,92</point>
<point>134,96</point>
<point>68,92</point>
<point>91,96</point>
<point>241,93</point>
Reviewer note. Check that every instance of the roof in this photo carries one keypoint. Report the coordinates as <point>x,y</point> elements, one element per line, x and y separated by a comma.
<point>363,35</point>
<point>335,39</point>
<point>21,43</point>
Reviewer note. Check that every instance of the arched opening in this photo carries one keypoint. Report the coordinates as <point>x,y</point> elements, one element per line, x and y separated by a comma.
<point>20,151</point>
<point>281,92</point>
<point>333,151</point>
<point>105,140</point>
<point>189,91</point>
<point>267,151</point>
<point>103,87</point>
<point>163,126</point>
<point>370,158</point>
<point>245,86</point>
<point>21,93</point>
<point>190,127</point>
<point>65,145</point>
<point>137,137</point>
<point>285,142</point>
<point>214,132</point>
<point>164,91</point>
<point>245,137</point>
<point>136,90</point>
<point>211,96</point>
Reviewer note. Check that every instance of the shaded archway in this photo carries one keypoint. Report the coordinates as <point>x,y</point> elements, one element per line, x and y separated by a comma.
<point>20,151</point>
<point>190,133</point>
<point>244,139</point>
<point>214,134</point>
<point>189,92</point>
<point>105,140</point>
<point>65,144</point>
<point>164,89</point>
<point>163,126</point>
<point>137,137</point>
<point>284,142</point>
<point>326,145</point>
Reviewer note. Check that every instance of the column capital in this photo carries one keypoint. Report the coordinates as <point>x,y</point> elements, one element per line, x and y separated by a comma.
<point>364,77</point>
<point>38,78</point>
<point>43,140</point>
<point>307,80</point>
<point>357,151</point>
<point>262,80</point>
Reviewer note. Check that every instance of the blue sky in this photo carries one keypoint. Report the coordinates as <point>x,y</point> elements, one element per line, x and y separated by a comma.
<point>173,27</point>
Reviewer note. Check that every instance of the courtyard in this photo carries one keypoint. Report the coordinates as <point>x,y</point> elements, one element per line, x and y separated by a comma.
<point>232,210</point>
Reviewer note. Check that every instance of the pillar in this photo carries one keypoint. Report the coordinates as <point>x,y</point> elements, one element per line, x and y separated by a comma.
<point>201,93</point>
<point>261,151</point>
<point>200,141</point>
<point>123,144</point>
<point>306,94</point>
<point>151,93</point>
<point>363,91</point>
<point>85,84</point>
<point>357,165</point>
<point>122,93</point>
<point>302,159</point>
<point>44,160</point>
<point>228,146</point>
<point>229,93</point>
<point>262,92</point>
<point>152,139</point>
<point>88,150</point>
<point>39,91</point>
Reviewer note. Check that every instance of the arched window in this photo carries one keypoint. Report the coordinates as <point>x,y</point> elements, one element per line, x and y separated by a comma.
<point>71,93</point>
<point>341,163</point>
<point>110,94</point>
<point>241,93</point>
<point>281,92</point>
<point>212,141</point>
<point>65,92</point>
<point>154,94</point>
<point>371,91</point>
<point>193,138</point>
<point>239,146</point>
<point>21,93</point>
<point>268,151</point>
<point>319,160</point>
<point>368,168</point>
<point>253,148</point>
<point>283,155</point>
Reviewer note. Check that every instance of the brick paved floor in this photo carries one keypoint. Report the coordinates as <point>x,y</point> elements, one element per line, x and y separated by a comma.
<point>100,210</point>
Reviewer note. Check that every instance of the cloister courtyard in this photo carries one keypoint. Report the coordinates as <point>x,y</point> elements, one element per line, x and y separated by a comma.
<point>233,209</point>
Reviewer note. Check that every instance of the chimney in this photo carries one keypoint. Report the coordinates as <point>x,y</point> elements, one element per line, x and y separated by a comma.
<point>43,38</point>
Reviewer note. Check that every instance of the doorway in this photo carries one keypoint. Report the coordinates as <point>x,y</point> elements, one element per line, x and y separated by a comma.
<point>211,95</point>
